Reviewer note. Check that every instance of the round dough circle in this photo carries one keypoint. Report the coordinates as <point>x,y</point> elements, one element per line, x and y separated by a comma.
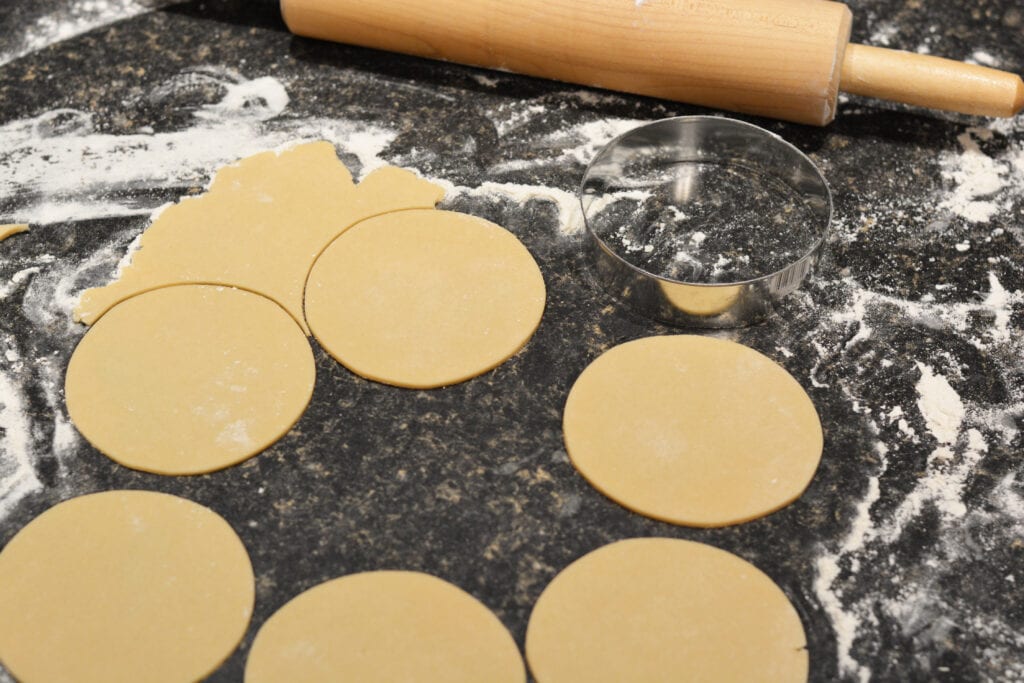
<point>661,609</point>
<point>692,430</point>
<point>423,299</point>
<point>123,586</point>
<point>189,379</point>
<point>384,626</point>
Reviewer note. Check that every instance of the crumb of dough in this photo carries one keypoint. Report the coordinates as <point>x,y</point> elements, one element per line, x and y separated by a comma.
<point>12,229</point>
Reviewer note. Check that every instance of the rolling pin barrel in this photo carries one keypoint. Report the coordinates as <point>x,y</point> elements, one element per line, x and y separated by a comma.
<point>777,58</point>
<point>784,59</point>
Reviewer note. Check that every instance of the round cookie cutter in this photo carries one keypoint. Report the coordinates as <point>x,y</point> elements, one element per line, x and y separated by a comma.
<point>703,221</point>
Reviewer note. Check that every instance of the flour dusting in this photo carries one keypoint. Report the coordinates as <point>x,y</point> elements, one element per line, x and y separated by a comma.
<point>983,185</point>
<point>940,405</point>
<point>77,18</point>
<point>17,474</point>
<point>963,434</point>
<point>566,205</point>
<point>81,174</point>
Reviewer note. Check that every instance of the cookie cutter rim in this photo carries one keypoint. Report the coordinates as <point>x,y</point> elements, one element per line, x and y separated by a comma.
<point>682,303</point>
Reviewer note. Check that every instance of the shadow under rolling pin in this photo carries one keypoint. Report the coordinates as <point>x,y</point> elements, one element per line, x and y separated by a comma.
<point>785,59</point>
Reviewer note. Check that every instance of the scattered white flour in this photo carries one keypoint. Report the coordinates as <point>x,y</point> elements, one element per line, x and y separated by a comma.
<point>940,405</point>
<point>77,18</point>
<point>983,58</point>
<point>963,433</point>
<point>844,623</point>
<point>588,138</point>
<point>567,206</point>
<point>999,301</point>
<point>883,35</point>
<point>486,81</point>
<point>982,185</point>
<point>509,116</point>
<point>577,144</point>
<point>259,99</point>
<point>16,280</point>
<point>17,454</point>
<point>74,173</point>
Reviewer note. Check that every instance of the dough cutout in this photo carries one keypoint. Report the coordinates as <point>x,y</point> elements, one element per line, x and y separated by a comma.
<point>259,227</point>
<point>189,379</point>
<point>424,299</point>
<point>381,627</point>
<point>123,586</point>
<point>662,610</point>
<point>692,430</point>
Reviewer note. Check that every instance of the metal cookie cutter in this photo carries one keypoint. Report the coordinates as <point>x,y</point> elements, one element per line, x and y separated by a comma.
<point>703,221</point>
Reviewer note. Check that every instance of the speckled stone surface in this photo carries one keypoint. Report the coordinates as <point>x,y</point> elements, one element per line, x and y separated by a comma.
<point>904,558</point>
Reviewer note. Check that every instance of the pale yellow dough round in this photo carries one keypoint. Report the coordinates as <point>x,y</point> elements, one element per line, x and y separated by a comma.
<point>692,430</point>
<point>123,586</point>
<point>662,610</point>
<point>384,627</point>
<point>423,299</point>
<point>189,379</point>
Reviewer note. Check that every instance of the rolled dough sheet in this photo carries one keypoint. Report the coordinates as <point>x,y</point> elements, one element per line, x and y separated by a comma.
<point>12,229</point>
<point>692,430</point>
<point>384,627</point>
<point>260,226</point>
<point>123,586</point>
<point>189,379</point>
<point>423,299</point>
<point>663,610</point>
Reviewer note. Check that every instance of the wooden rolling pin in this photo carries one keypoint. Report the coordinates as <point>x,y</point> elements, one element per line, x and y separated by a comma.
<point>786,59</point>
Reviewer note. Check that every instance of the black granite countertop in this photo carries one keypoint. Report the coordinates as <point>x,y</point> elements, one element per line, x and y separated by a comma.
<point>904,558</point>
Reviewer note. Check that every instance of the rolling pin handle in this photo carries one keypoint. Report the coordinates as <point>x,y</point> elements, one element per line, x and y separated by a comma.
<point>933,82</point>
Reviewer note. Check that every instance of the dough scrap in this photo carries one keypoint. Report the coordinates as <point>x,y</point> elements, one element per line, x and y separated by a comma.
<point>423,299</point>
<point>123,586</point>
<point>189,379</point>
<point>692,430</point>
<point>662,610</point>
<point>12,229</point>
<point>259,227</point>
<point>382,627</point>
